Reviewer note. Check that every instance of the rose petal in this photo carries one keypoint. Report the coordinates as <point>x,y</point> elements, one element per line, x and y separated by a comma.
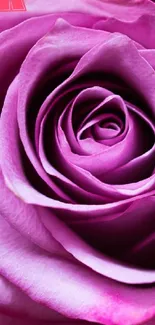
<point>26,220</point>
<point>149,56</point>
<point>140,30</point>
<point>17,41</point>
<point>90,296</point>
<point>90,7</point>
<point>15,303</point>
<point>94,7</point>
<point>118,228</point>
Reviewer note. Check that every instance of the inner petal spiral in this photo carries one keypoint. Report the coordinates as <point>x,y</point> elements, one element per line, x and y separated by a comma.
<point>85,126</point>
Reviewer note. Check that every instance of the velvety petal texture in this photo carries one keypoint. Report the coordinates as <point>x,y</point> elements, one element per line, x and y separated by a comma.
<point>77,163</point>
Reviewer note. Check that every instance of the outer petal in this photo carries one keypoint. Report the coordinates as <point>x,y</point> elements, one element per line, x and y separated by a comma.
<point>68,287</point>
<point>140,30</point>
<point>16,42</point>
<point>95,7</point>
<point>7,320</point>
<point>15,303</point>
<point>27,220</point>
<point>96,260</point>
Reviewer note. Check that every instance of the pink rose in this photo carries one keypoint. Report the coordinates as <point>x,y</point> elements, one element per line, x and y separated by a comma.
<point>77,157</point>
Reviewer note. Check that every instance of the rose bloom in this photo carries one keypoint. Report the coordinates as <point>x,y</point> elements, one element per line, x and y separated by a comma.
<point>77,157</point>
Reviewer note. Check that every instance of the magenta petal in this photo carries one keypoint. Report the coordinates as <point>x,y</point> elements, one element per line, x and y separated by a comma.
<point>20,39</point>
<point>98,261</point>
<point>7,320</point>
<point>15,303</point>
<point>26,220</point>
<point>93,7</point>
<point>149,56</point>
<point>90,297</point>
<point>140,30</point>
<point>16,42</point>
